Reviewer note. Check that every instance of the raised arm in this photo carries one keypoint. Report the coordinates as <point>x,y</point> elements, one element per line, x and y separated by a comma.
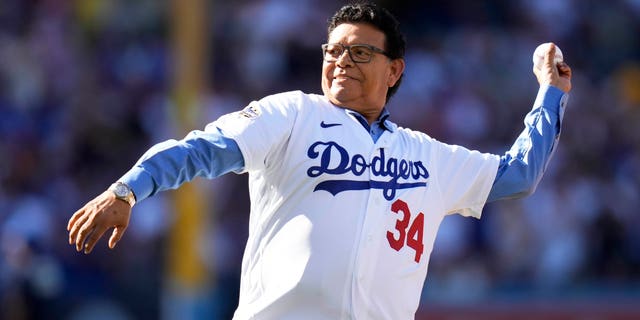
<point>522,167</point>
<point>166,165</point>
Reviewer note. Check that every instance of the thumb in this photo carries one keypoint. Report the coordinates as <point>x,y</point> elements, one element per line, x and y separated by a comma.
<point>550,57</point>
<point>116,235</point>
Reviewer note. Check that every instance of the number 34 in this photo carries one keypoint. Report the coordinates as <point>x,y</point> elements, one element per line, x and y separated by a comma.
<point>413,236</point>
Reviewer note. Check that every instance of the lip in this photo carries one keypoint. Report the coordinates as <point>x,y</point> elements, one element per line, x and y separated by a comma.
<point>343,77</point>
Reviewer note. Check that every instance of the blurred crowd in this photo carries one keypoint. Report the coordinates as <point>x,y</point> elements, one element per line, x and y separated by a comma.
<point>86,88</point>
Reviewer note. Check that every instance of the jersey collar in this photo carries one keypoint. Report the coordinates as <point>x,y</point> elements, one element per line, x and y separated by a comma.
<point>383,120</point>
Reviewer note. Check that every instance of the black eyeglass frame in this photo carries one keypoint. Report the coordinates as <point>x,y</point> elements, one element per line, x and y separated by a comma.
<point>348,49</point>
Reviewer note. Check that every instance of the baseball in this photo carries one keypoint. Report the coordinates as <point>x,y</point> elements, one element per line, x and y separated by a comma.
<point>538,55</point>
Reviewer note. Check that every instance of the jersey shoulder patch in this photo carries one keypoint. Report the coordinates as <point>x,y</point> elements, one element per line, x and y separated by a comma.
<point>250,112</point>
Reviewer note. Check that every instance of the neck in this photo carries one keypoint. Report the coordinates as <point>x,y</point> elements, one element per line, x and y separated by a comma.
<point>371,116</point>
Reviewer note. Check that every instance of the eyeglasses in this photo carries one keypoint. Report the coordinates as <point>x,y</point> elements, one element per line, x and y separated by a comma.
<point>359,53</point>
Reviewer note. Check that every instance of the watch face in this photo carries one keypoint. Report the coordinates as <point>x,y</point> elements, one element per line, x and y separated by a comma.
<point>121,190</point>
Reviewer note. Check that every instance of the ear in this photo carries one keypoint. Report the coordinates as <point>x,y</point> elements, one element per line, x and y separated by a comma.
<point>396,68</point>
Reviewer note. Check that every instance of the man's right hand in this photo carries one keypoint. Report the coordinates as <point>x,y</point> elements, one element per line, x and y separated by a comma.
<point>88,224</point>
<point>558,75</point>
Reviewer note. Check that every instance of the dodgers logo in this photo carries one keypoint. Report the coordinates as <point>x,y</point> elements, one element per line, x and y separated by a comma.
<point>335,160</point>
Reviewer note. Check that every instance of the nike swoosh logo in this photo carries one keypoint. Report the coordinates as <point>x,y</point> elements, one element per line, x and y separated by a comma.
<point>329,125</point>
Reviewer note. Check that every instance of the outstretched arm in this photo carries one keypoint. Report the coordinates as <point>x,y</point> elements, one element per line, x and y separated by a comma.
<point>169,164</point>
<point>166,165</point>
<point>522,167</point>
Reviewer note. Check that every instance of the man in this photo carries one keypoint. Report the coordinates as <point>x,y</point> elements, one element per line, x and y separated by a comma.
<point>345,205</point>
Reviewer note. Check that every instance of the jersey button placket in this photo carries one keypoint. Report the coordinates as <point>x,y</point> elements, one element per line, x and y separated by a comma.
<point>371,231</point>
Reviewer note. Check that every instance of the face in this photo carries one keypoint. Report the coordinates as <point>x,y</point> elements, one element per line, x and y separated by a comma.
<point>361,87</point>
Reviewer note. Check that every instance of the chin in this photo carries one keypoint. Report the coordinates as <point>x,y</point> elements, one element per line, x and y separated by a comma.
<point>341,95</point>
<point>338,101</point>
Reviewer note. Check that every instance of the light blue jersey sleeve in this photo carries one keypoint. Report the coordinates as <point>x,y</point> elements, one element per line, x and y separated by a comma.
<point>169,164</point>
<point>522,167</point>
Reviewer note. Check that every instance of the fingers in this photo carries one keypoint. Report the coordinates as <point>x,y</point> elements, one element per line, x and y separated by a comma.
<point>73,218</point>
<point>94,236</point>
<point>117,234</point>
<point>565,70</point>
<point>83,232</point>
<point>86,229</point>
<point>77,221</point>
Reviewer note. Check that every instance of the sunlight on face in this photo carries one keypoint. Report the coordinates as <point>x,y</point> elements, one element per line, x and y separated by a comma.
<point>361,87</point>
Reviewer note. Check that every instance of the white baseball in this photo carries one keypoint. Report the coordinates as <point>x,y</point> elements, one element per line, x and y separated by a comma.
<point>538,55</point>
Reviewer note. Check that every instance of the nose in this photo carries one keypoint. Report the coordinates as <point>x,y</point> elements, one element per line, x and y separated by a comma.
<point>344,59</point>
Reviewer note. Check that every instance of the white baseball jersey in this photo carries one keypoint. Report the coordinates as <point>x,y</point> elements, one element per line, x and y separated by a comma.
<point>342,227</point>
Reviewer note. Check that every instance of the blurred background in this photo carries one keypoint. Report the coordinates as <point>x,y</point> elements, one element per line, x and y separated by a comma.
<point>87,86</point>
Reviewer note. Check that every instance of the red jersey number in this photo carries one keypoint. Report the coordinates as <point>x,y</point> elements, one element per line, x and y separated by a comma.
<point>411,237</point>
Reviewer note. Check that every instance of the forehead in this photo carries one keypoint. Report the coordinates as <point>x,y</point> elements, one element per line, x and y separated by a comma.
<point>360,33</point>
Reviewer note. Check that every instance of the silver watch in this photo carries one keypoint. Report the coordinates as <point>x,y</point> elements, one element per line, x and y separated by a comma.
<point>123,192</point>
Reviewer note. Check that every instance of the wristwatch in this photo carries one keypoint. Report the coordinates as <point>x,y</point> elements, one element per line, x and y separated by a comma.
<point>123,192</point>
